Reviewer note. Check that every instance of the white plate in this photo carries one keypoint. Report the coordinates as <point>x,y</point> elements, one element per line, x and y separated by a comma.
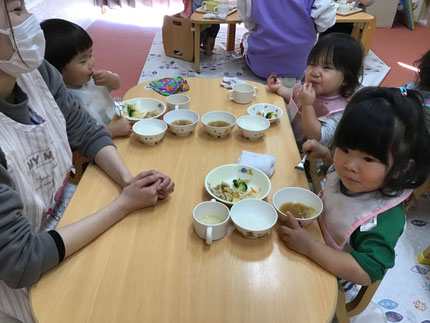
<point>145,105</point>
<point>227,173</point>
<point>262,109</point>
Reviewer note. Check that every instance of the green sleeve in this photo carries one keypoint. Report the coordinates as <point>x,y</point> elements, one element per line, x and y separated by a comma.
<point>374,249</point>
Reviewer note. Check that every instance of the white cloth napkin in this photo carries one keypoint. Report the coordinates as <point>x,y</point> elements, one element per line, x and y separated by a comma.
<point>228,82</point>
<point>220,16</point>
<point>265,163</point>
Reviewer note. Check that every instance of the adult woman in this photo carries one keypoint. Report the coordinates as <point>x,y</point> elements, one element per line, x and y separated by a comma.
<point>39,123</point>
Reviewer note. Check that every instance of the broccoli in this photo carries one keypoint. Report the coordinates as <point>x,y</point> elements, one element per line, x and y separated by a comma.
<point>269,115</point>
<point>241,185</point>
<point>131,109</point>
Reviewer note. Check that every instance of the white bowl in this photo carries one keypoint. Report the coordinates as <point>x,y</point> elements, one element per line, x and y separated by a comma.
<point>253,218</point>
<point>258,181</point>
<point>150,131</point>
<point>262,109</point>
<point>298,195</point>
<point>219,132</point>
<point>252,127</point>
<point>175,115</point>
<point>145,105</point>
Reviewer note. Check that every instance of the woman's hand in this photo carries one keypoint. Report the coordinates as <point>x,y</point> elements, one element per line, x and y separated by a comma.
<point>139,194</point>
<point>165,185</point>
<point>296,237</point>
<point>307,95</point>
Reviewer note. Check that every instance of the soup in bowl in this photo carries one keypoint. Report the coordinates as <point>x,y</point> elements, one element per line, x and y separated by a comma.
<point>305,205</point>
<point>181,122</point>
<point>219,123</point>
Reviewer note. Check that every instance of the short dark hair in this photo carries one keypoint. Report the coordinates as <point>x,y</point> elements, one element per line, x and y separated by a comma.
<point>64,40</point>
<point>388,124</point>
<point>423,81</point>
<point>345,53</point>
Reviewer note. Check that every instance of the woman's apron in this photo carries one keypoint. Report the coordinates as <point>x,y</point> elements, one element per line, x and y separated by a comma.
<point>39,160</point>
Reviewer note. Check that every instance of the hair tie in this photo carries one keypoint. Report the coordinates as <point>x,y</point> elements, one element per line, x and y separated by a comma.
<point>403,90</point>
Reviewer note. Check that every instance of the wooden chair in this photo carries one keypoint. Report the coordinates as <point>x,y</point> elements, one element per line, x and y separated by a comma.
<point>425,188</point>
<point>344,311</point>
<point>178,38</point>
<point>80,163</point>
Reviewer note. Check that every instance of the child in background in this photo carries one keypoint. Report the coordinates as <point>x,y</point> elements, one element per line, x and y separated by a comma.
<point>331,77</point>
<point>422,84</point>
<point>208,32</point>
<point>282,33</point>
<point>379,156</point>
<point>69,49</point>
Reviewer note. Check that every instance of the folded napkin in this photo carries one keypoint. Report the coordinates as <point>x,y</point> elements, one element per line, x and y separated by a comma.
<point>265,163</point>
<point>220,16</point>
<point>228,82</point>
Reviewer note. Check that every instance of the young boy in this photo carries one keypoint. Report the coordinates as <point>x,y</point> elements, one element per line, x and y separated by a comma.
<point>69,49</point>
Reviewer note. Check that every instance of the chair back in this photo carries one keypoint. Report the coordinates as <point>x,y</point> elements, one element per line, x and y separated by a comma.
<point>178,38</point>
<point>344,311</point>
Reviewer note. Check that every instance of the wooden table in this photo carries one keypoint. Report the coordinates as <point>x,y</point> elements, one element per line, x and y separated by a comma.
<point>197,19</point>
<point>366,34</point>
<point>152,267</point>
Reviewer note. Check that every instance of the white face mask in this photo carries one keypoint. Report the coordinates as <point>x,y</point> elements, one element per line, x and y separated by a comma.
<point>30,42</point>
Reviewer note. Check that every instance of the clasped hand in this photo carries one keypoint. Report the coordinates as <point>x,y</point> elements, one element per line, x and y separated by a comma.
<point>145,190</point>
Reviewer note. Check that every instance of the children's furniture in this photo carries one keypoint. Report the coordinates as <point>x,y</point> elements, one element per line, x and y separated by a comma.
<point>198,20</point>
<point>178,38</point>
<point>365,33</point>
<point>344,311</point>
<point>152,267</point>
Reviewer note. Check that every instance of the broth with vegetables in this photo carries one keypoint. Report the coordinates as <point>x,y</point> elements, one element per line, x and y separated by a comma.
<point>181,122</point>
<point>299,210</point>
<point>218,124</point>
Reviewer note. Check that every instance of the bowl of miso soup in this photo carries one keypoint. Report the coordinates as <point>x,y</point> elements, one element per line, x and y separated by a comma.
<point>305,205</point>
<point>181,122</point>
<point>219,123</point>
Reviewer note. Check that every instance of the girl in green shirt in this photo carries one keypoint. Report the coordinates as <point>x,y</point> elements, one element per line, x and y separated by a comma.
<point>380,155</point>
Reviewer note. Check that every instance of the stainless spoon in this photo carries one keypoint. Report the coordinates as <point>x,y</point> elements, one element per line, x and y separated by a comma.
<point>301,165</point>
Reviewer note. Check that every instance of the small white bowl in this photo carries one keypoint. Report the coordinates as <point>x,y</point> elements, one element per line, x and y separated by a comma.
<point>144,105</point>
<point>150,131</point>
<point>297,195</point>
<point>252,127</point>
<point>253,218</point>
<point>183,114</point>
<point>219,132</point>
<point>262,109</point>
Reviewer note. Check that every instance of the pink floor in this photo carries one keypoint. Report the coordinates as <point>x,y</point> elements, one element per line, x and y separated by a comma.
<point>122,49</point>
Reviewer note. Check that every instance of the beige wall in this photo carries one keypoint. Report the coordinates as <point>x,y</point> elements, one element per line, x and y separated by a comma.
<point>81,12</point>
